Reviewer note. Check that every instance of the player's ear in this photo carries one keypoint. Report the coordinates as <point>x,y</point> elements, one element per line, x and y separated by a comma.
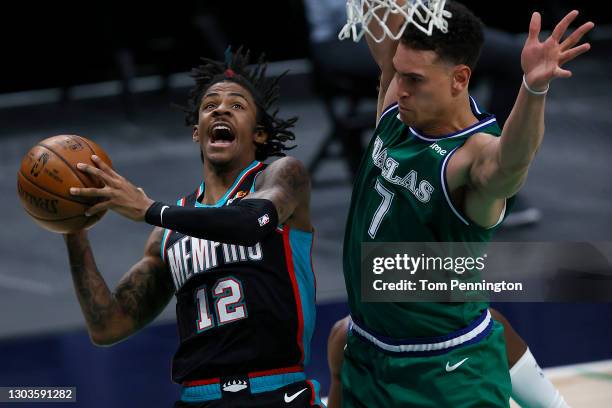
<point>260,136</point>
<point>461,78</point>
<point>196,134</point>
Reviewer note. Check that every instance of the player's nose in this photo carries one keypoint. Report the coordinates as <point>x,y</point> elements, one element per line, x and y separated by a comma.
<point>221,109</point>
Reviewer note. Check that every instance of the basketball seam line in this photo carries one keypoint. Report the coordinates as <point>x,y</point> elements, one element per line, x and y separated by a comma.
<point>85,141</point>
<point>73,199</point>
<point>55,219</point>
<point>67,164</point>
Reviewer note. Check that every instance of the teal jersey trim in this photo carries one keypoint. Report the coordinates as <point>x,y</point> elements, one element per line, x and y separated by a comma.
<point>301,249</point>
<point>223,199</point>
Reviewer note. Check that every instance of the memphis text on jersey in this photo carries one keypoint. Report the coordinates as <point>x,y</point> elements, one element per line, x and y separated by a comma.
<point>190,256</point>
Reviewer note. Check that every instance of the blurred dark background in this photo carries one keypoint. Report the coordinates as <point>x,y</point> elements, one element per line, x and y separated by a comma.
<point>61,44</point>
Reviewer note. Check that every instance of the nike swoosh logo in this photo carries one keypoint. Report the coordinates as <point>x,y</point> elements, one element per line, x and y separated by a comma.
<point>453,367</point>
<point>288,398</point>
<point>161,214</point>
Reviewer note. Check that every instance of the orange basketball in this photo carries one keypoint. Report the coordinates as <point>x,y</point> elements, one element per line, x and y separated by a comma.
<point>46,174</point>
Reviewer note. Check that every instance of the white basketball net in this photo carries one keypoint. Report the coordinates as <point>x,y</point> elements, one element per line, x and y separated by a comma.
<point>424,14</point>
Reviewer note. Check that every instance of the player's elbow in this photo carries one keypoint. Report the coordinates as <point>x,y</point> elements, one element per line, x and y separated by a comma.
<point>100,340</point>
<point>105,338</point>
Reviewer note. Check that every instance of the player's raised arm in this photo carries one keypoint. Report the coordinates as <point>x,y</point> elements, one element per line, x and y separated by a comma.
<point>500,168</point>
<point>139,297</point>
<point>383,53</point>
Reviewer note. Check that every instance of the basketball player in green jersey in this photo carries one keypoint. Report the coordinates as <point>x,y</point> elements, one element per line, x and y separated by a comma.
<point>437,170</point>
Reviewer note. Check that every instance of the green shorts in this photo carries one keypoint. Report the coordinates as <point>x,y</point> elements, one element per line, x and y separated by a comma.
<point>379,374</point>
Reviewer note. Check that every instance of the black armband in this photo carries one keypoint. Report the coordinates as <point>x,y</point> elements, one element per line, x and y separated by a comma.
<point>244,223</point>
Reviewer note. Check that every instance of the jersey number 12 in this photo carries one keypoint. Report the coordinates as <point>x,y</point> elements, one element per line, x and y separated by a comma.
<point>228,305</point>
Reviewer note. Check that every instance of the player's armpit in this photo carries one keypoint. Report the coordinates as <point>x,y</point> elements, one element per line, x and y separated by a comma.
<point>469,171</point>
<point>287,185</point>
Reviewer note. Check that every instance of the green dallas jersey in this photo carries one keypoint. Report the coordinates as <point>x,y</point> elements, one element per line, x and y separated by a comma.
<point>400,195</point>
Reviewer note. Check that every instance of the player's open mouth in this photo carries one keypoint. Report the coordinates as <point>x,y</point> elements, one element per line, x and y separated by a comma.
<point>221,134</point>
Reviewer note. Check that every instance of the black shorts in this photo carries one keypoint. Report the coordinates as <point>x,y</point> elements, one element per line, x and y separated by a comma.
<point>243,393</point>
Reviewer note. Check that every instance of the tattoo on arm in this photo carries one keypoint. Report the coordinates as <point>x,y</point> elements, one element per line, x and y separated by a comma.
<point>144,292</point>
<point>140,296</point>
<point>285,183</point>
<point>93,293</point>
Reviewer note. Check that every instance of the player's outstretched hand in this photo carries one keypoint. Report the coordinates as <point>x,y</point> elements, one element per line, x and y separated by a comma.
<point>543,61</point>
<point>118,194</point>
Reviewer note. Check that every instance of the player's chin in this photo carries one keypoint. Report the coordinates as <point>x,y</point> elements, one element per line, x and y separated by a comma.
<point>407,117</point>
<point>222,151</point>
<point>219,157</point>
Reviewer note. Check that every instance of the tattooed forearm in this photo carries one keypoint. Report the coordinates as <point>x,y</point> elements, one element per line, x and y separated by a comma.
<point>93,293</point>
<point>140,296</point>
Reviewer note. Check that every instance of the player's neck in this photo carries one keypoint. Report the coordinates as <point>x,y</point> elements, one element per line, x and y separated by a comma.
<point>456,118</point>
<point>218,179</point>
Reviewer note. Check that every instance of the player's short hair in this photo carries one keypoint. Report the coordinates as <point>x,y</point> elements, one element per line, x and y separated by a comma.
<point>460,45</point>
<point>264,89</point>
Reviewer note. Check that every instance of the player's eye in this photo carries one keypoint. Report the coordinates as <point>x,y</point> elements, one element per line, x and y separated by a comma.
<point>209,106</point>
<point>237,106</point>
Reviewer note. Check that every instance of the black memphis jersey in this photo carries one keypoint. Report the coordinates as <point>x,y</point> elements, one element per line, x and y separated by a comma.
<point>240,309</point>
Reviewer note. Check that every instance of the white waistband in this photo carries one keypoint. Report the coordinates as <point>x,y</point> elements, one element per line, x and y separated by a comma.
<point>424,347</point>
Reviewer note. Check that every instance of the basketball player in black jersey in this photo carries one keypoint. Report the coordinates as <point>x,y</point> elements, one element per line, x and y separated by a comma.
<point>235,252</point>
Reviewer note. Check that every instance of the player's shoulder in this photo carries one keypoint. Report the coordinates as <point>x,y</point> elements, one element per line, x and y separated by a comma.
<point>287,167</point>
<point>478,141</point>
<point>389,122</point>
<point>389,111</point>
<point>465,156</point>
<point>286,161</point>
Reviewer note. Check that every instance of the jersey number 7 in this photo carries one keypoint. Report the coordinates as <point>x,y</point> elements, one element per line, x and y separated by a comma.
<point>382,209</point>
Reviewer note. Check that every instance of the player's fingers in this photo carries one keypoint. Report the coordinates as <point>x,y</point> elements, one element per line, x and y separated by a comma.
<point>94,171</point>
<point>562,26</point>
<point>573,53</point>
<point>562,73</point>
<point>103,166</point>
<point>90,192</point>
<point>103,206</point>
<point>575,37</point>
<point>534,26</point>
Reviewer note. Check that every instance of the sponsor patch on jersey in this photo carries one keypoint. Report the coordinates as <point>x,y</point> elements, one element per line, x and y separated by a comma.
<point>263,220</point>
<point>238,195</point>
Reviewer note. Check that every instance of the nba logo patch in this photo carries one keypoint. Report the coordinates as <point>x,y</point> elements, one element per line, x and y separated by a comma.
<point>263,220</point>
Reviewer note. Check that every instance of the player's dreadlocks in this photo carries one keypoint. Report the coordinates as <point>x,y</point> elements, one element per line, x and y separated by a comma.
<point>265,92</point>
